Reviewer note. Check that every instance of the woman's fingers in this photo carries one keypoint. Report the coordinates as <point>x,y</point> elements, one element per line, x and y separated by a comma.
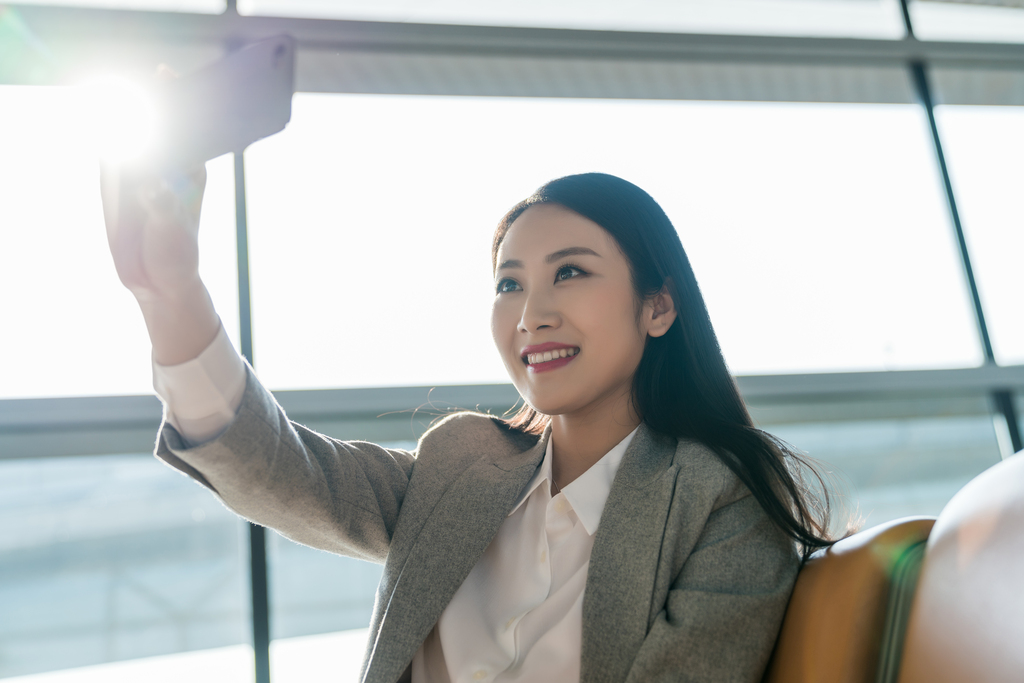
<point>124,219</point>
<point>152,223</point>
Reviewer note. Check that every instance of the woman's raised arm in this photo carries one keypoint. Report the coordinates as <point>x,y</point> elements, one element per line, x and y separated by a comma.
<point>339,496</point>
<point>152,228</point>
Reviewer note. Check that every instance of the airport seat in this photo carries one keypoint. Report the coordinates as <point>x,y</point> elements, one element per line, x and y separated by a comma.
<point>849,608</point>
<point>967,622</point>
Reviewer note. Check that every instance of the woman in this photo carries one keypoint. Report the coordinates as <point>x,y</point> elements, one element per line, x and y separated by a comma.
<point>629,524</point>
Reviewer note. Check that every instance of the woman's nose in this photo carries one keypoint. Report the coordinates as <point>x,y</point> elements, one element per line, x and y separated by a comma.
<point>539,313</point>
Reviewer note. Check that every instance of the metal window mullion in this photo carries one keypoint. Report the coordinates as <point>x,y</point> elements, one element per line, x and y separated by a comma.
<point>921,85</point>
<point>1002,400</point>
<point>257,535</point>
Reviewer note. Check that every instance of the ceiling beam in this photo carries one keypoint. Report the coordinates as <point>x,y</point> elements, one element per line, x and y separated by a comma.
<point>53,25</point>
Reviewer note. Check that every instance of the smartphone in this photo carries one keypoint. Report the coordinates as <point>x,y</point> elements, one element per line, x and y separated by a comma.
<point>226,106</point>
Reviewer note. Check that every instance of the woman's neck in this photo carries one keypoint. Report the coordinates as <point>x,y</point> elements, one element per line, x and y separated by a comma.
<point>581,439</point>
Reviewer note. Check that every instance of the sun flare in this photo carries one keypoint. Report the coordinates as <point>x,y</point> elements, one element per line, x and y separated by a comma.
<point>120,117</point>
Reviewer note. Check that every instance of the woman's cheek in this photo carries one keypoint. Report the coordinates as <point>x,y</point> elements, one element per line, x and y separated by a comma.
<point>503,330</point>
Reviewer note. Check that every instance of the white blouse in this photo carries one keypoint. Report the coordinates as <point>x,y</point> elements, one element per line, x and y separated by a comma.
<point>518,615</point>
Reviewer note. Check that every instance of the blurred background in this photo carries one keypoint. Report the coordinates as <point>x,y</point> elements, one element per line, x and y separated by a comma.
<point>844,174</point>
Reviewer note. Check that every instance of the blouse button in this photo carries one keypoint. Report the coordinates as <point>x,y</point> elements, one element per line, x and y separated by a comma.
<point>479,675</point>
<point>543,555</point>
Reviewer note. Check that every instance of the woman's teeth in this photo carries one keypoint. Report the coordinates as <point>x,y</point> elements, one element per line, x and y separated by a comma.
<point>534,358</point>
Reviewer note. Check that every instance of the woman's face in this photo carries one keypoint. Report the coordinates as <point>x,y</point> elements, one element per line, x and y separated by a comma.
<point>565,316</point>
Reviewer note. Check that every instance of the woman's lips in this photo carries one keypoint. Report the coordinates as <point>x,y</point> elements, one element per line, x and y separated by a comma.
<point>543,361</point>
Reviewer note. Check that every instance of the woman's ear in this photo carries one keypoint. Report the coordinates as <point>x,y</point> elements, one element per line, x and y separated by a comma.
<point>659,312</point>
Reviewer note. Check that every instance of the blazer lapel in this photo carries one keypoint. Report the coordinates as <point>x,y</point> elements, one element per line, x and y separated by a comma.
<point>452,540</point>
<point>624,560</point>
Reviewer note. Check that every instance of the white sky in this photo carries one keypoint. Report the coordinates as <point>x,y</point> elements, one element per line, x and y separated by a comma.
<point>984,147</point>
<point>967,21</point>
<point>818,234</point>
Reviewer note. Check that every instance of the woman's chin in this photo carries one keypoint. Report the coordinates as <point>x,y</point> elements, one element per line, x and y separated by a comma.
<point>550,405</point>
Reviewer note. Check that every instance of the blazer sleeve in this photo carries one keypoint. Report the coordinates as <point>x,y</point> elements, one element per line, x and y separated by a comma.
<point>339,496</point>
<point>725,606</point>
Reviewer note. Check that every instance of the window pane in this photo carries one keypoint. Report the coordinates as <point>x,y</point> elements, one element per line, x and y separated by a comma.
<point>994,21</point>
<point>898,468</point>
<point>326,658</point>
<point>112,558</point>
<point>320,608</point>
<point>984,146</point>
<point>200,6</point>
<point>231,664</point>
<point>854,18</point>
<point>818,232</point>
<point>70,328</point>
<point>317,592</point>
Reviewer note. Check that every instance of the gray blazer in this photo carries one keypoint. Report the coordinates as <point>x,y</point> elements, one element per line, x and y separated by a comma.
<point>688,578</point>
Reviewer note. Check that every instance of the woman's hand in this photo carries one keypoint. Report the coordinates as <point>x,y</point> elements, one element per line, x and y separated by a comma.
<point>152,225</point>
<point>152,228</point>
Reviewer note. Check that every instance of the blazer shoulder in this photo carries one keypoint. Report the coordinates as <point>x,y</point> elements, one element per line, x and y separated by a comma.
<point>474,432</point>
<point>700,467</point>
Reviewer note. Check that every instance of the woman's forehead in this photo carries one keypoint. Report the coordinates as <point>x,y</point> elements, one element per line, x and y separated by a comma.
<point>547,228</point>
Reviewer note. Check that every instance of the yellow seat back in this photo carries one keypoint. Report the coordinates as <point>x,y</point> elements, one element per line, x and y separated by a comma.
<point>835,623</point>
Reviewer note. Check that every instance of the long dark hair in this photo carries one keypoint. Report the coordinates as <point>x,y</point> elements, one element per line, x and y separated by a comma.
<point>682,386</point>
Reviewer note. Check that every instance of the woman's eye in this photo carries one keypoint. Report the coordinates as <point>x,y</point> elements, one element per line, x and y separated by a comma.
<point>567,273</point>
<point>507,286</point>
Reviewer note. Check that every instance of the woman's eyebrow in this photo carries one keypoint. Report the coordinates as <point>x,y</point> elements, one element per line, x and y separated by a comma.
<point>571,251</point>
<point>551,258</point>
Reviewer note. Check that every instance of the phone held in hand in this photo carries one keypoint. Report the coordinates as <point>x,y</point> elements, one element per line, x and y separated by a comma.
<point>226,106</point>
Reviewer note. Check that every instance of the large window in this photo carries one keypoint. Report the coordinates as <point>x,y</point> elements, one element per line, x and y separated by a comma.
<point>885,469</point>
<point>1000,21</point>
<point>985,145</point>
<point>372,216</point>
<point>71,329</point>
<point>111,558</point>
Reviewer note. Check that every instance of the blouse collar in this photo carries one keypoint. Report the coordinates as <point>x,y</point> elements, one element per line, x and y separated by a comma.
<point>588,493</point>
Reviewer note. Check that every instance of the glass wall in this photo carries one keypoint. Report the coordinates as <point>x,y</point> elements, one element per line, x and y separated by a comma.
<point>987,21</point>
<point>984,146</point>
<point>885,469</point>
<point>80,332</point>
<point>118,557</point>
<point>371,219</point>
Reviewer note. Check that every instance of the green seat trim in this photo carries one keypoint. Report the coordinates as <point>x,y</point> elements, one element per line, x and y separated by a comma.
<point>902,587</point>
